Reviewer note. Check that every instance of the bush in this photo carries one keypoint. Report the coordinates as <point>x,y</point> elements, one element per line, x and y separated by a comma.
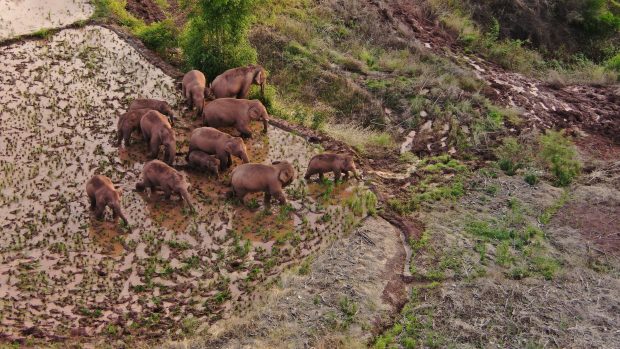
<point>511,156</point>
<point>560,157</point>
<point>159,36</point>
<point>614,63</point>
<point>216,37</point>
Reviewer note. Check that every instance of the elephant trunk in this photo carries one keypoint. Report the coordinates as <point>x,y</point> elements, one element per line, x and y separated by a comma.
<point>265,121</point>
<point>244,157</point>
<point>262,90</point>
<point>187,199</point>
<point>118,213</point>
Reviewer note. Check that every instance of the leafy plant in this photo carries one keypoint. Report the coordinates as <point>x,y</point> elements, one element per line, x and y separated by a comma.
<point>560,157</point>
<point>216,36</point>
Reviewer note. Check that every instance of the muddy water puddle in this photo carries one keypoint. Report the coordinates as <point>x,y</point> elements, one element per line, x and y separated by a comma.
<point>19,17</point>
<point>63,272</point>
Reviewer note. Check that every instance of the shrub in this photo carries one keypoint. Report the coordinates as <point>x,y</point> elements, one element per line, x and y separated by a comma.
<point>511,156</point>
<point>159,36</point>
<point>216,36</point>
<point>614,63</point>
<point>560,157</point>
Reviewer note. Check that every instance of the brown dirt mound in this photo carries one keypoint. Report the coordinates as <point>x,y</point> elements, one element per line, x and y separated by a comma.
<point>146,10</point>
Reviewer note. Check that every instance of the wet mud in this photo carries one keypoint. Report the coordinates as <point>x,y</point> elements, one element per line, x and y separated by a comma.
<point>27,16</point>
<point>63,273</point>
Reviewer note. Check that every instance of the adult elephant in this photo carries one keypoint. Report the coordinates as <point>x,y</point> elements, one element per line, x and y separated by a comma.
<point>237,113</point>
<point>194,89</point>
<point>101,193</point>
<point>158,175</point>
<point>223,145</point>
<point>236,82</point>
<point>157,131</point>
<point>269,179</point>
<point>154,104</point>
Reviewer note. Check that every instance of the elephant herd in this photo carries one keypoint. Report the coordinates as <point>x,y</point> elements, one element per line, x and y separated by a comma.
<point>209,148</point>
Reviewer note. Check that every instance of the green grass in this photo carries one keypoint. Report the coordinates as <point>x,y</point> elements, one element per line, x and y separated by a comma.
<point>560,157</point>
<point>550,211</point>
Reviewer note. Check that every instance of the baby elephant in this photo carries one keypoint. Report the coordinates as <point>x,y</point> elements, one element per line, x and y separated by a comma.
<point>158,175</point>
<point>127,123</point>
<point>270,179</point>
<point>202,160</point>
<point>157,131</point>
<point>235,112</point>
<point>154,104</point>
<point>222,145</point>
<point>102,193</point>
<point>194,89</point>
<point>336,163</point>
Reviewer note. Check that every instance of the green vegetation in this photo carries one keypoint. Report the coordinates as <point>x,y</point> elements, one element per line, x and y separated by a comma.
<point>433,187</point>
<point>215,38</point>
<point>552,152</point>
<point>560,157</point>
<point>415,329</point>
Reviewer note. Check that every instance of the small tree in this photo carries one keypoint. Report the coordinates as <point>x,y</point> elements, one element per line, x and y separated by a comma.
<point>216,37</point>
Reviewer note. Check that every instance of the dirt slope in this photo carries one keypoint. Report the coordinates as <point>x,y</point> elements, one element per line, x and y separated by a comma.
<point>594,108</point>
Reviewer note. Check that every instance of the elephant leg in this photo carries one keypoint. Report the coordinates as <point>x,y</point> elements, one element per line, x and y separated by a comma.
<point>119,138</point>
<point>229,161</point>
<point>240,194</point>
<point>279,195</point>
<point>127,138</point>
<point>309,174</point>
<point>93,202</point>
<point>154,147</point>
<point>167,192</point>
<point>321,177</point>
<point>267,198</point>
<point>245,132</point>
<point>223,157</point>
<point>99,210</point>
<point>346,175</point>
<point>336,175</point>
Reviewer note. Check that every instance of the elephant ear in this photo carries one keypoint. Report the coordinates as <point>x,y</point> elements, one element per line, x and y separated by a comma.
<point>258,77</point>
<point>286,175</point>
<point>254,112</point>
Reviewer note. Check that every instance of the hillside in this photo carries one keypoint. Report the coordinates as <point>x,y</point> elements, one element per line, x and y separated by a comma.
<point>486,134</point>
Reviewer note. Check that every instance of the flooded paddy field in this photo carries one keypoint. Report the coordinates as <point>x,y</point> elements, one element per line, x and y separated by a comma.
<point>63,273</point>
<point>19,17</point>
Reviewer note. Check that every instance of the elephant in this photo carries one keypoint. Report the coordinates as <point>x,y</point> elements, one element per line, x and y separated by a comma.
<point>235,112</point>
<point>223,145</point>
<point>194,89</point>
<point>101,193</point>
<point>154,104</point>
<point>200,159</point>
<point>157,175</point>
<point>236,82</point>
<point>270,179</point>
<point>336,163</point>
<point>127,123</point>
<point>157,131</point>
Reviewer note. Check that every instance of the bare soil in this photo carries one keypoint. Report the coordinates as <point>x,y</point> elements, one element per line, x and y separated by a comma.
<point>146,10</point>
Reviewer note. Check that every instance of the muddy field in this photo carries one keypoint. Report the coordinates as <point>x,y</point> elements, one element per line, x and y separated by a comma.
<point>19,17</point>
<point>65,274</point>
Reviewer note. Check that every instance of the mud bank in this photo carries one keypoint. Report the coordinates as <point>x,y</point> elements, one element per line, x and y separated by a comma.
<point>64,274</point>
